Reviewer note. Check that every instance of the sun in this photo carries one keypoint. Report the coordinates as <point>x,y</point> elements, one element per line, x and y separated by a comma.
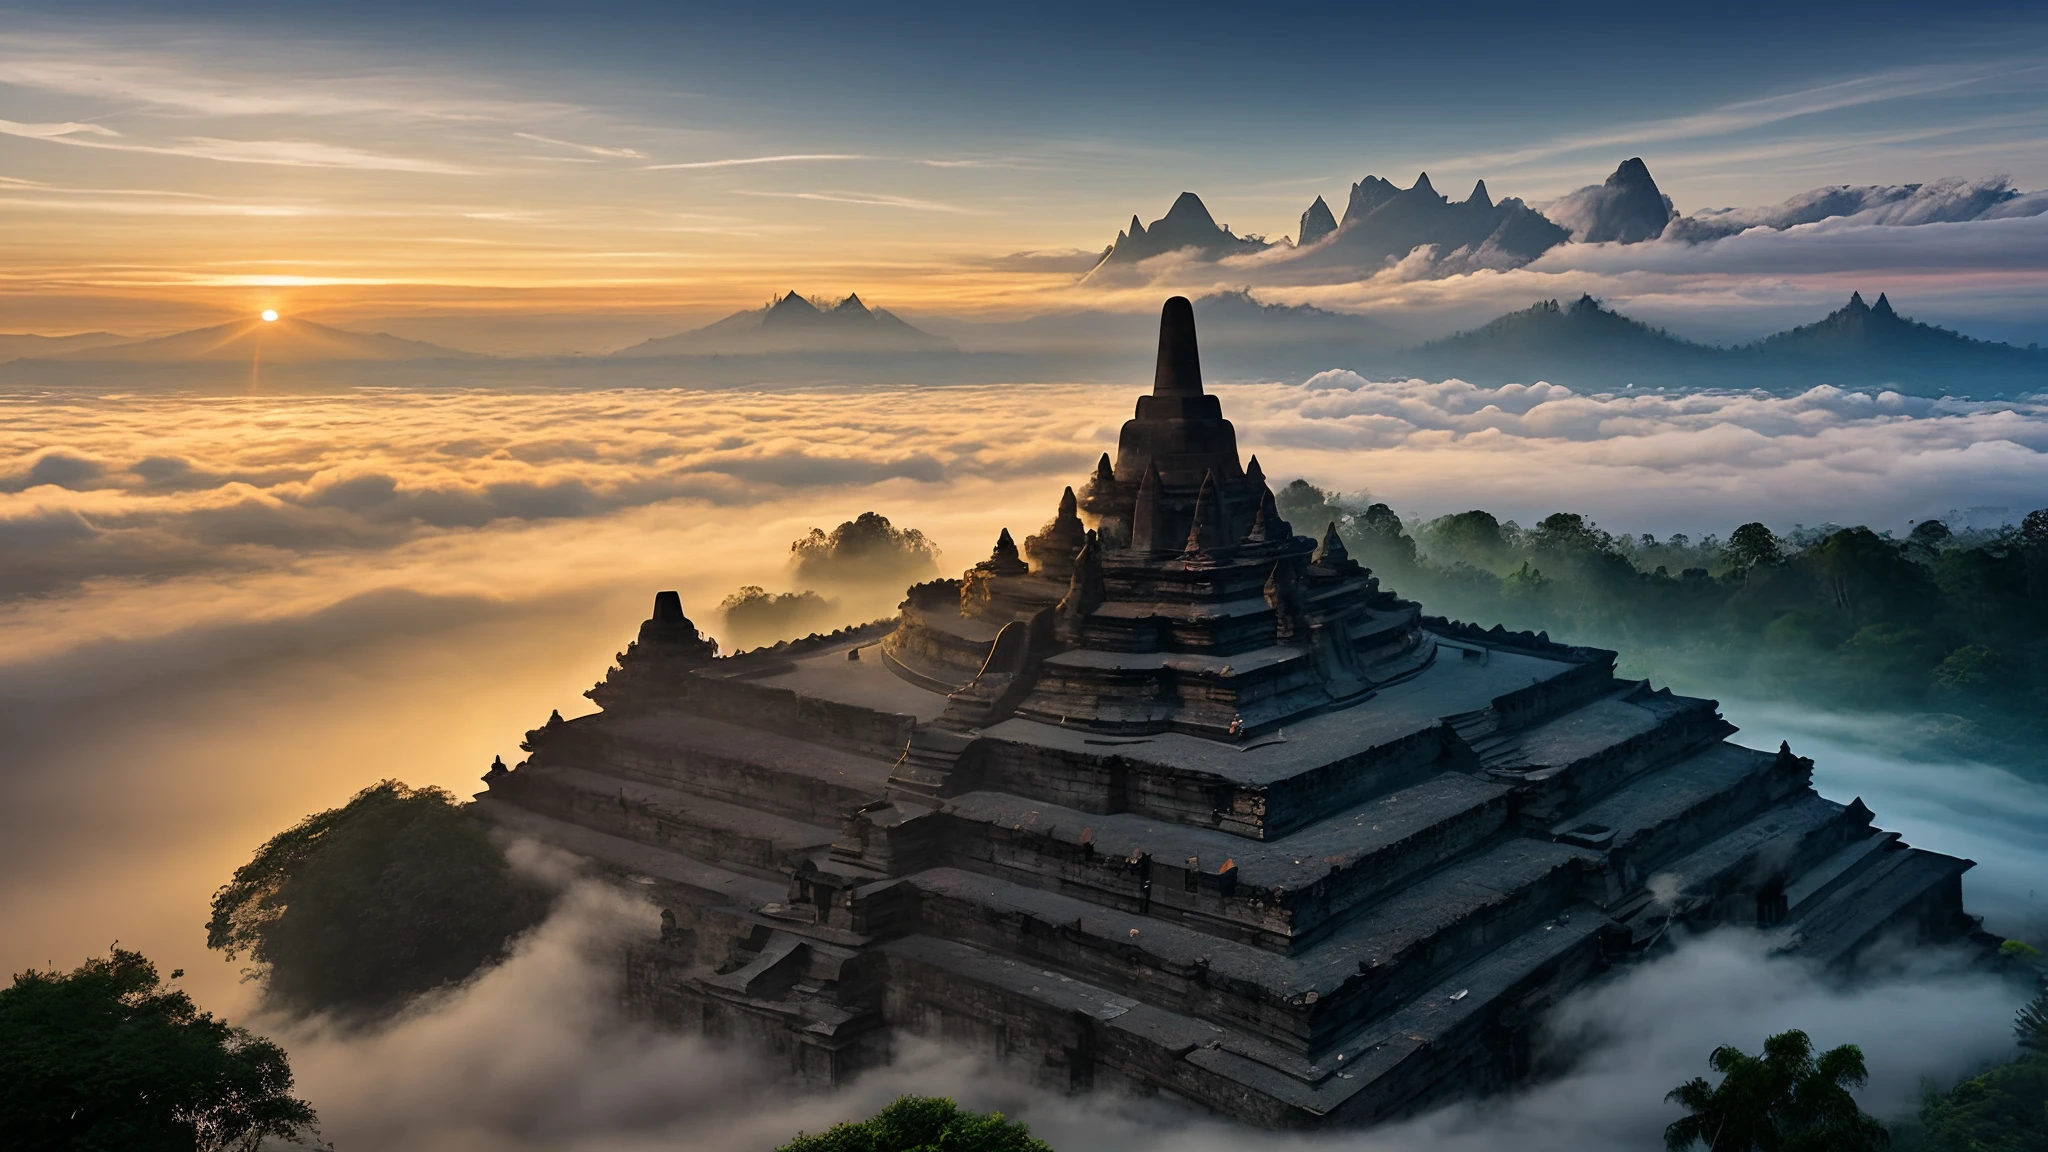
<point>269,314</point>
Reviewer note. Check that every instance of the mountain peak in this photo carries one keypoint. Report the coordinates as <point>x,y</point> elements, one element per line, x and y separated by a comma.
<point>1316,223</point>
<point>1625,209</point>
<point>1479,196</point>
<point>1187,224</point>
<point>1188,209</point>
<point>793,303</point>
<point>1423,185</point>
<point>1856,306</point>
<point>1883,307</point>
<point>851,306</point>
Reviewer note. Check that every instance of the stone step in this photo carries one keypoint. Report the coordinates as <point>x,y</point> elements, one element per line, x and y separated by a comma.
<point>1896,892</point>
<point>1570,760</point>
<point>737,764</point>
<point>1301,1002</point>
<point>1220,883</point>
<point>1048,1017</point>
<point>1454,1030</point>
<point>1669,810</point>
<point>1714,880</point>
<point>758,843</point>
<point>633,861</point>
<point>1805,894</point>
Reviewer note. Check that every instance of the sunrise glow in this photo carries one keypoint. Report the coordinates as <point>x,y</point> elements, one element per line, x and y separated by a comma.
<point>269,315</point>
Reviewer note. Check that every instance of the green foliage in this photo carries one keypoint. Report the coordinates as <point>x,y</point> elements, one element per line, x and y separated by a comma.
<point>1948,626</point>
<point>1311,509</point>
<point>109,1057</point>
<point>2031,1025</point>
<point>1753,544</point>
<point>865,549</point>
<point>922,1124</point>
<point>356,909</point>
<point>1785,1100</point>
<point>2003,1110</point>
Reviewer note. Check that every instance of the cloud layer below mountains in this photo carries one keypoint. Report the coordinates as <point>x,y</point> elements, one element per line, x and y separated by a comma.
<point>436,491</point>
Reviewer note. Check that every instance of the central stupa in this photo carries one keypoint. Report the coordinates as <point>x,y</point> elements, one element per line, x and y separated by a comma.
<point>1175,800</point>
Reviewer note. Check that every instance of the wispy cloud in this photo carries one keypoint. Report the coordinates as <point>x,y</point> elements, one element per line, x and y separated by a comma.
<point>736,162</point>
<point>1747,115</point>
<point>593,149</point>
<point>53,131</point>
<point>177,77</point>
<point>289,153</point>
<point>874,199</point>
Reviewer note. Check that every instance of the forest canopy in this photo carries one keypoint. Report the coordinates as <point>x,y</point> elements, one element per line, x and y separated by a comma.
<point>1951,626</point>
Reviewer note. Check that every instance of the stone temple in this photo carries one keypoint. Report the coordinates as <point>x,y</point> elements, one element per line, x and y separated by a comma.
<point>1175,800</point>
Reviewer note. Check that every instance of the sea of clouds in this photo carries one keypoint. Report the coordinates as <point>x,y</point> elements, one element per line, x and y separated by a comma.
<point>218,614</point>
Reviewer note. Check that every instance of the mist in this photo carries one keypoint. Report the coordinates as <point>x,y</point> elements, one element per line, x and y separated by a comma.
<point>219,614</point>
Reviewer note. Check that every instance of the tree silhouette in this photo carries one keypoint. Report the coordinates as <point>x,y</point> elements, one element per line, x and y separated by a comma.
<point>1785,1100</point>
<point>2032,1026</point>
<point>107,1056</point>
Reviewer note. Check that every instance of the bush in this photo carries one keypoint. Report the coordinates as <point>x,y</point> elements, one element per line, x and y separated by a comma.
<point>923,1124</point>
<point>865,550</point>
<point>108,1057</point>
<point>357,909</point>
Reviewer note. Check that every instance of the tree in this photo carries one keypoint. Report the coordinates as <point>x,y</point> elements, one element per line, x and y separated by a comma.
<point>356,909</point>
<point>1753,544</point>
<point>753,615</point>
<point>109,1057</point>
<point>864,549</point>
<point>1786,1100</point>
<point>1308,507</point>
<point>922,1124</point>
<point>2031,1026</point>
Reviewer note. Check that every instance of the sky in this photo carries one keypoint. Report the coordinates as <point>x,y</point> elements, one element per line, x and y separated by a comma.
<point>631,169</point>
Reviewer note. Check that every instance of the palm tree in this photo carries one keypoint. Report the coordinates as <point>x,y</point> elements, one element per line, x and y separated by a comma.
<point>2032,1025</point>
<point>1785,1100</point>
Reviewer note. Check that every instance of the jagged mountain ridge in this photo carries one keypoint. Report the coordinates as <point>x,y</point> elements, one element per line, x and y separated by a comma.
<point>792,323</point>
<point>1384,223</point>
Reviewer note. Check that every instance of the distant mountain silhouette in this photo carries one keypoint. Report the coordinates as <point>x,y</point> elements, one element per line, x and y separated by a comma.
<point>1858,345</point>
<point>1627,209</point>
<point>14,346</point>
<point>794,324</point>
<point>1383,223</point>
<point>1187,224</point>
<point>1875,342</point>
<point>1575,340</point>
<point>285,341</point>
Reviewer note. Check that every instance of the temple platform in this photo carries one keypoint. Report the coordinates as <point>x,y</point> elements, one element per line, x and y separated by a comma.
<point>1175,799</point>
